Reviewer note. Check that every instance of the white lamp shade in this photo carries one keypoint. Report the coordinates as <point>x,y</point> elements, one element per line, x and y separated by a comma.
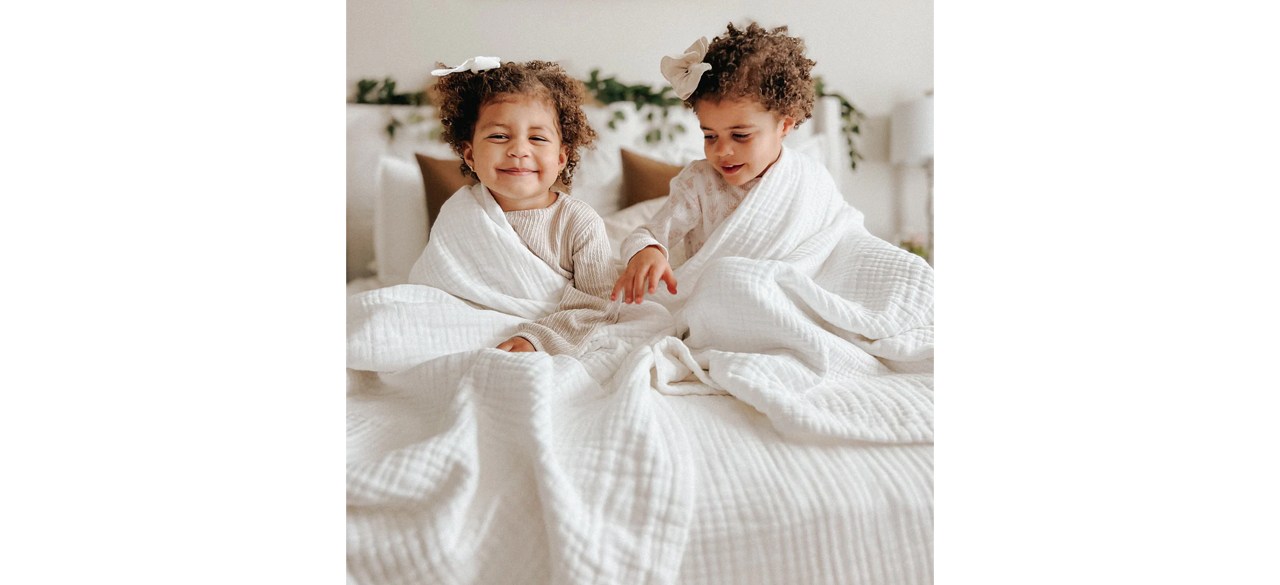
<point>911,132</point>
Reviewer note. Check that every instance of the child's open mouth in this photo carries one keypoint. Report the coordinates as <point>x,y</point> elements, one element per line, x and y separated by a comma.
<point>730,169</point>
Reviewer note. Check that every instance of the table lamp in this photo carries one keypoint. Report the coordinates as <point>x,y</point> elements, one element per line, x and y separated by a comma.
<point>911,144</point>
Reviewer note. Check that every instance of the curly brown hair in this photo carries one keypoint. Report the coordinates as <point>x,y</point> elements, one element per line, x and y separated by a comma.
<point>767,66</point>
<point>459,97</point>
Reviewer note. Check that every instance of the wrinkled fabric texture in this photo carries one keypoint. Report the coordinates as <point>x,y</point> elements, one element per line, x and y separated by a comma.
<point>705,437</point>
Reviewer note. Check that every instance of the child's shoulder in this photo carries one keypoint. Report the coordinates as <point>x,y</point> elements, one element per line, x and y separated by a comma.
<point>698,167</point>
<point>580,221</point>
<point>694,174</point>
<point>579,215</point>
<point>577,208</point>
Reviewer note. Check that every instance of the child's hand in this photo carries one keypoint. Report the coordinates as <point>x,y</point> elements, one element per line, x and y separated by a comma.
<point>644,270</point>
<point>516,343</point>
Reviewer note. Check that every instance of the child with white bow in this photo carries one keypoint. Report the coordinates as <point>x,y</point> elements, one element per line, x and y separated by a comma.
<point>749,89</point>
<point>517,128</point>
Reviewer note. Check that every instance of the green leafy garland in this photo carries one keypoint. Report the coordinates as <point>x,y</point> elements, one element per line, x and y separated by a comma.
<point>608,90</point>
<point>387,95</point>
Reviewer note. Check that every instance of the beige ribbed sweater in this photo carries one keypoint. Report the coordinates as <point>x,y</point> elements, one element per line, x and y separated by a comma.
<point>570,237</point>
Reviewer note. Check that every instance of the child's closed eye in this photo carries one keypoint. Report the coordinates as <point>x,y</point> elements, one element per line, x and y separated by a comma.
<point>496,137</point>
<point>741,137</point>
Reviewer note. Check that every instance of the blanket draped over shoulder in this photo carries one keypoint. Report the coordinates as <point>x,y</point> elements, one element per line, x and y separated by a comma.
<point>467,464</point>
<point>795,308</point>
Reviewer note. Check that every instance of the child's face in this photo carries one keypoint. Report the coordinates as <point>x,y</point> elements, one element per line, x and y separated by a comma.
<point>516,151</point>
<point>741,138</point>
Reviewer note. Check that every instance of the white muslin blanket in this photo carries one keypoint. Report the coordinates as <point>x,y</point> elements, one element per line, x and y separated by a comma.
<point>475,282</point>
<point>795,308</point>
<point>467,464</point>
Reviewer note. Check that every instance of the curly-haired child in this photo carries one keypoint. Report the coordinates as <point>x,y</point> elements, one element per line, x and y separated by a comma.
<point>749,89</point>
<point>517,128</point>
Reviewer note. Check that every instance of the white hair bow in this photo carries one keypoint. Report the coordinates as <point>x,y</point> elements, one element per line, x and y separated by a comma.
<point>684,71</point>
<point>474,65</point>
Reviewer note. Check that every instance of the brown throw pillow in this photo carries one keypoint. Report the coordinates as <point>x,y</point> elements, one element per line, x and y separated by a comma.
<point>644,178</point>
<point>440,179</point>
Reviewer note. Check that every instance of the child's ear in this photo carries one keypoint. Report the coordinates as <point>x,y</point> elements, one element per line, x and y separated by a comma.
<point>564,156</point>
<point>466,155</point>
<point>787,124</point>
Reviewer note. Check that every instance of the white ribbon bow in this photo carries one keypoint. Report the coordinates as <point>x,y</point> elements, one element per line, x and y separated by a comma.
<point>685,71</point>
<point>474,65</point>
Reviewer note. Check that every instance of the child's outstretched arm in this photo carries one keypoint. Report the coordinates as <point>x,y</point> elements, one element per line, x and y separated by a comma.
<point>646,248</point>
<point>644,270</point>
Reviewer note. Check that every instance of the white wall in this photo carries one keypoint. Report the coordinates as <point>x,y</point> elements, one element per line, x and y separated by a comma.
<point>876,52</point>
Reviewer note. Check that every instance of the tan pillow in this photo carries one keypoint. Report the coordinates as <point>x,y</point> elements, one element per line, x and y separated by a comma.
<point>644,178</point>
<point>440,179</point>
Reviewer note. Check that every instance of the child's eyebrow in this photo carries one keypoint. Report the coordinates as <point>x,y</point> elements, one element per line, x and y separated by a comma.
<point>505,125</point>
<point>738,127</point>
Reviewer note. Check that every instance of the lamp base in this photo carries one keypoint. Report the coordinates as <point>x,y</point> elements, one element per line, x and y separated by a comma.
<point>928,210</point>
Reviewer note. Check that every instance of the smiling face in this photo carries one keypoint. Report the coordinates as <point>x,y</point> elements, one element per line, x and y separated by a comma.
<point>516,151</point>
<point>740,138</point>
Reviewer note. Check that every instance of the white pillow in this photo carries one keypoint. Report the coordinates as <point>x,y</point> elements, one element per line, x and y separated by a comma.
<point>597,181</point>
<point>619,224</point>
<point>399,218</point>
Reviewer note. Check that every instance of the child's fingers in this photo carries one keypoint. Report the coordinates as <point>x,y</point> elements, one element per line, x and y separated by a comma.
<point>637,286</point>
<point>618,287</point>
<point>654,277</point>
<point>642,283</point>
<point>631,285</point>
<point>670,278</point>
<point>506,345</point>
<point>625,284</point>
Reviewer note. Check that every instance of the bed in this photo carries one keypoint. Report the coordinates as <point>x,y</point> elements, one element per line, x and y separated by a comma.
<point>665,455</point>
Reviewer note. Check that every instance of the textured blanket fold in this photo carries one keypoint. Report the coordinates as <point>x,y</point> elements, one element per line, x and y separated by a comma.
<point>475,282</point>
<point>512,468</point>
<point>467,464</point>
<point>795,308</point>
<point>474,254</point>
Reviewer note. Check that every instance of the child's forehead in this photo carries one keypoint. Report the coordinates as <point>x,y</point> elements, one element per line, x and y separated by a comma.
<point>732,112</point>
<point>532,103</point>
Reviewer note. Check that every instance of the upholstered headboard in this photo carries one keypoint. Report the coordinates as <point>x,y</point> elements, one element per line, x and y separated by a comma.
<point>383,168</point>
